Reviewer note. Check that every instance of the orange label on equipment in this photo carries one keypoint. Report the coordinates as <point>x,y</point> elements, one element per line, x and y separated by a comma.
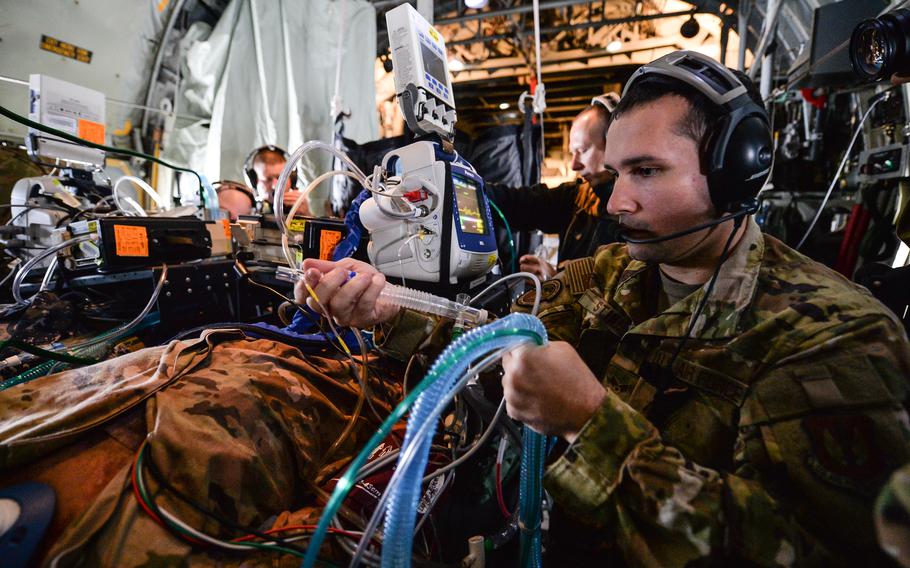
<point>327,242</point>
<point>131,241</point>
<point>227,228</point>
<point>91,131</point>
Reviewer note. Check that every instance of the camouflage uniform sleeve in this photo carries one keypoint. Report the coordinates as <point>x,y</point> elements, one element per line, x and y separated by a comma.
<point>813,438</point>
<point>404,334</point>
<point>559,309</point>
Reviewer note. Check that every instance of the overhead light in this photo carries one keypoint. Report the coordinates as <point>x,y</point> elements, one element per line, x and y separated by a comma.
<point>614,46</point>
<point>690,28</point>
<point>476,4</point>
<point>503,106</point>
<point>455,65</point>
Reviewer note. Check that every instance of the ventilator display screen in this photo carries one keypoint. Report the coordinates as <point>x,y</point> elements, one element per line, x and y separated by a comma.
<point>470,217</point>
<point>433,64</point>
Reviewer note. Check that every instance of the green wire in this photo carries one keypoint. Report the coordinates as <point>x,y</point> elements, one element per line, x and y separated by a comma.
<point>76,140</point>
<point>140,486</point>
<point>61,356</point>
<point>42,369</point>
<point>505,222</point>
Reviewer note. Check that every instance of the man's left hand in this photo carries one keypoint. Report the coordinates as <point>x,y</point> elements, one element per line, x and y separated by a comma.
<point>536,266</point>
<point>550,389</point>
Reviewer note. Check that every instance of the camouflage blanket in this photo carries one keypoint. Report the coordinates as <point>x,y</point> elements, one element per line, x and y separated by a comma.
<point>248,427</point>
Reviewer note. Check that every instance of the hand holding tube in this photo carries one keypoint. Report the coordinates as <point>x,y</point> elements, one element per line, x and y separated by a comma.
<point>550,389</point>
<point>351,301</point>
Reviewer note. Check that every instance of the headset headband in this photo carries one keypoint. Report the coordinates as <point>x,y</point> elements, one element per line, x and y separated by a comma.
<point>713,80</point>
<point>249,173</point>
<point>607,101</point>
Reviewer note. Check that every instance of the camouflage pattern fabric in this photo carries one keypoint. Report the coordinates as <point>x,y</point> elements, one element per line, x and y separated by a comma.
<point>766,442</point>
<point>250,428</point>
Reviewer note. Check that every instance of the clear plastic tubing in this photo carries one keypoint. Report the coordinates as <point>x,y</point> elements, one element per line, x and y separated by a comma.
<point>27,267</point>
<point>416,300</point>
<point>405,459</point>
<point>449,366</point>
<point>278,204</point>
<point>404,496</point>
<point>425,302</point>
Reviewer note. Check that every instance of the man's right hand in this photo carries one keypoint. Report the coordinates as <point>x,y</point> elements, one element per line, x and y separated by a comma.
<point>537,266</point>
<point>351,301</point>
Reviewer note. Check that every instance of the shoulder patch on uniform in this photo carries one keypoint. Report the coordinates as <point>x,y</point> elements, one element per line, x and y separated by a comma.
<point>549,291</point>
<point>845,452</point>
<point>578,274</point>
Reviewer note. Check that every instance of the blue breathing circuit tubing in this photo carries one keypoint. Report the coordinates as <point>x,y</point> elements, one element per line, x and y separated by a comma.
<point>426,403</point>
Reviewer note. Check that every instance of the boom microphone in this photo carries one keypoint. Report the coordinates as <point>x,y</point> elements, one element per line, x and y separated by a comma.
<point>748,208</point>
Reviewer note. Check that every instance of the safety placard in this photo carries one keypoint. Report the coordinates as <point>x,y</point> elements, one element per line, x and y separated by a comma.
<point>91,131</point>
<point>65,49</point>
<point>130,240</point>
<point>327,242</point>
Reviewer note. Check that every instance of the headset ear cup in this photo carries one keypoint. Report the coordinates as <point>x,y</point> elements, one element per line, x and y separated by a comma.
<point>251,178</point>
<point>710,158</point>
<point>747,160</point>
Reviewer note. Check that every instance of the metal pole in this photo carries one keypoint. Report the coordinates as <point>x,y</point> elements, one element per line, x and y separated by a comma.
<point>768,31</point>
<point>742,28</point>
<point>767,74</point>
<point>724,40</point>
<point>159,56</point>
<point>425,8</point>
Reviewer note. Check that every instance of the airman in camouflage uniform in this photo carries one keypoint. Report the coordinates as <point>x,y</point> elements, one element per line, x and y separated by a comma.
<point>751,424</point>
<point>770,438</point>
<point>761,439</point>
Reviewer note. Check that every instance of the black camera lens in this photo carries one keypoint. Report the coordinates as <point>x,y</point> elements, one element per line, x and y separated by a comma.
<point>880,47</point>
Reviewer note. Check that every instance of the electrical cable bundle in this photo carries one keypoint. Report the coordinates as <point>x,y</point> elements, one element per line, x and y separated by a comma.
<point>95,346</point>
<point>268,540</point>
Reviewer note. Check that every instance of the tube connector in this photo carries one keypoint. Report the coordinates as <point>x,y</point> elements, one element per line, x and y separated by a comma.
<point>428,303</point>
<point>476,557</point>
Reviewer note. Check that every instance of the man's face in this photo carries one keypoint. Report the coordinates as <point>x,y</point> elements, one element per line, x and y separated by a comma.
<point>268,168</point>
<point>659,189</point>
<point>586,144</point>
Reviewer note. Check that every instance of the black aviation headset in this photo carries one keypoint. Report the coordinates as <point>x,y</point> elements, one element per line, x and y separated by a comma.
<point>736,151</point>
<point>249,173</point>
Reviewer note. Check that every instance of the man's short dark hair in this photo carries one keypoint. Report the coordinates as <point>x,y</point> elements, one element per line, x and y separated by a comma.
<point>702,112</point>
